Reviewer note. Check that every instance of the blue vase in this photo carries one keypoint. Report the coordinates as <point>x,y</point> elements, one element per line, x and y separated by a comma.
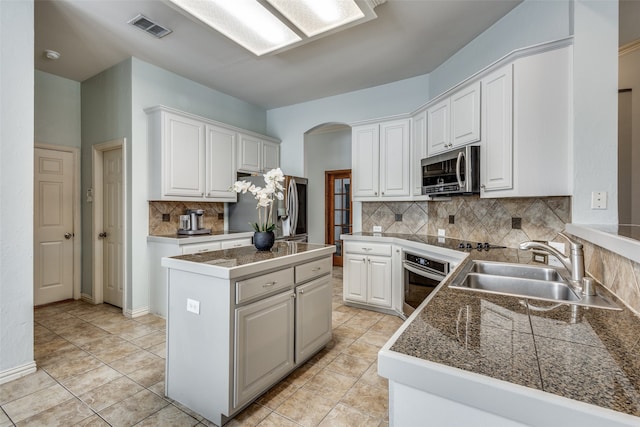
<point>264,240</point>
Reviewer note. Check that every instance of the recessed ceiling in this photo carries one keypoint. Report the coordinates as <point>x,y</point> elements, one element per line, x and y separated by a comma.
<point>409,38</point>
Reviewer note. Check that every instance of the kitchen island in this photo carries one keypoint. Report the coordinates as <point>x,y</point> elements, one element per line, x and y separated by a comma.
<point>467,358</point>
<point>239,320</point>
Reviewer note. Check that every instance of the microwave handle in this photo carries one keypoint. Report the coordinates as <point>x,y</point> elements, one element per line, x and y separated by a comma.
<point>458,177</point>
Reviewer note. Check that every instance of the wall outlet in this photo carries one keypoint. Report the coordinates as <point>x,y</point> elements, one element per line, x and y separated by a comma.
<point>599,200</point>
<point>193,306</point>
<point>553,260</point>
<point>441,232</point>
<point>377,229</point>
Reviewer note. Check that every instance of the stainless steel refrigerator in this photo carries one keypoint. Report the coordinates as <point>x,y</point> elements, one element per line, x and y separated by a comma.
<point>291,213</point>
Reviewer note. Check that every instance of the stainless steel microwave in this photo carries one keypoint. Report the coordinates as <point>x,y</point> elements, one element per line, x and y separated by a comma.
<point>452,173</point>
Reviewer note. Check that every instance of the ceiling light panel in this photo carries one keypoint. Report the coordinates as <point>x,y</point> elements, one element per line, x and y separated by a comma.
<point>246,22</point>
<point>314,17</point>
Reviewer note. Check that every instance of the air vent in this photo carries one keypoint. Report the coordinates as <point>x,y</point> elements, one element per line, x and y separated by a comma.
<point>147,25</point>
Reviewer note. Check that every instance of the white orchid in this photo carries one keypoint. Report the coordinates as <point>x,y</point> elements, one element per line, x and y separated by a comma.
<point>265,196</point>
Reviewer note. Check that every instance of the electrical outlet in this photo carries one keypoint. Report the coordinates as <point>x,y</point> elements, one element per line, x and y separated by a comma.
<point>193,306</point>
<point>441,232</point>
<point>599,200</point>
<point>377,229</point>
<point>553,260</point>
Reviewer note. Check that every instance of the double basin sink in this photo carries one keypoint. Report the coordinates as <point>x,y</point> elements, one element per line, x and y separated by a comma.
<point>525,281</point>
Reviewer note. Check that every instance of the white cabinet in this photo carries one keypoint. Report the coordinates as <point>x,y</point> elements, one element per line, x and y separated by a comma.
<point>313,317</point>
<point>527,110</point>
<point>496,156</point>
<point>257,155</point>
<point>419,149</point>
<point>367,275</point>
<point>235,243</point>
<point>454,121</point>
<point>195,248</point>
<point>220,163</point>
<point>381,155</point>
<point>264,341</point>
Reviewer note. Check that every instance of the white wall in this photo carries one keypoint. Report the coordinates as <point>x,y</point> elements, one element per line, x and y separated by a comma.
<point>57,110</point>
<point>630,79</point>
<point>290,123</point>
<point>323,152</point>
<point>16,189</point>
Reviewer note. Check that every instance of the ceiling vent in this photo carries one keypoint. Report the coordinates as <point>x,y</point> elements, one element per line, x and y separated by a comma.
<point>147,25</point>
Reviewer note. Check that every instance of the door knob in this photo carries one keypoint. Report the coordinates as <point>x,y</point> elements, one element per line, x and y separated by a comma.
<point>103,234</point>
<point>68,235</point>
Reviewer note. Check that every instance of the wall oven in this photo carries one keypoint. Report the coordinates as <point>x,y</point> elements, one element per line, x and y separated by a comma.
<point>451,173</point>
<point>421,276</point>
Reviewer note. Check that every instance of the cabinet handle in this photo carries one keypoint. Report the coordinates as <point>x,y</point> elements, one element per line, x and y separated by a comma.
<point>367,249</point>
<point>268,285</point>
<point>316,269</point>
<point>302,291</point>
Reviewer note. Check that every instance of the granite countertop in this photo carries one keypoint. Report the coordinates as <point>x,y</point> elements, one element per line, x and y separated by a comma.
<point>186,239</point>
<point>588,355</point>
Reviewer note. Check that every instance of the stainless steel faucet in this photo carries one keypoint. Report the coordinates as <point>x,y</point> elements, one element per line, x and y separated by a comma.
<point>574,263</point>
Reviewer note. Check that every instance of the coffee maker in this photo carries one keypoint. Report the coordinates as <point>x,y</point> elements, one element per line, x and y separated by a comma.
<point>193,223</point>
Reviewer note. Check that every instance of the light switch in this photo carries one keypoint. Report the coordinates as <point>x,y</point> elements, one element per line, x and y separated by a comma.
<point>193,306</point>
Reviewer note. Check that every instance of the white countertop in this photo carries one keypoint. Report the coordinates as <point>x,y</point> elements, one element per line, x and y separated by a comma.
<point>623,240</point>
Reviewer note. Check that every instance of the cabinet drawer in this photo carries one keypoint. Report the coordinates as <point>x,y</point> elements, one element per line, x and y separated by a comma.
<point>249,289</point>
<point>230,244</point>
<point>200,247</point>
<point>367,248</point>
<point>313,269</point>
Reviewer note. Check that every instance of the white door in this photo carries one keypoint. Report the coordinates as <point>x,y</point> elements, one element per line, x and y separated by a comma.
<point>438,127</point>
<point>113,224</point>
<point>221,163</point>
<point>53,226</point>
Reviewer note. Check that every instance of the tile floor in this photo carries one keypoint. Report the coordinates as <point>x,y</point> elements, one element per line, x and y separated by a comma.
<point>99,368</point>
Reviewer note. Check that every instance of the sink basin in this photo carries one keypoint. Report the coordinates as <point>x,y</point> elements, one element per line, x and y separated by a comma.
<point>547,290</point>
<point>516,270</point>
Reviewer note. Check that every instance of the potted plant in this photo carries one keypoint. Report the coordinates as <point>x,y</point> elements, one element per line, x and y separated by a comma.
<point>264,237</point>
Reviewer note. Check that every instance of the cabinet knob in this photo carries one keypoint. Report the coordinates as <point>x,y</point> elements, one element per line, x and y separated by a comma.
<point>302,291</point>
<point>268,285</point>
<point>382,193</point>
<point>364,260</point>
<point>375,193</point>
<point>482,186</point>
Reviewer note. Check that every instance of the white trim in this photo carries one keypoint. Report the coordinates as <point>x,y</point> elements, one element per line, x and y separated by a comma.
<point>138,312</point>
<point>606,236</point>
<point>77,228</point>
<point>629,47</point>
<point>98,256</point>
<point>17,372</point>
<point>87,298</point>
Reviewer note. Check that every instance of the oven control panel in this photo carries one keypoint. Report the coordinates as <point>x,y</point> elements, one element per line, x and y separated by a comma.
<point>441,267</point>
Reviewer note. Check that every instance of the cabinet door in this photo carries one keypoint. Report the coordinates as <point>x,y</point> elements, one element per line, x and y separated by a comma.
<point>355,278</point>
<point>220,163</point>
<point>270,156</point>
<point>379,290</point>
<point>236,243</point>
<point>395,150</point>
<point>465,115</point>
<point>184,161</point>
<point>249,153</point>
<point>497,136</point>
<point>365,160</point>
<point>195,248</point>
<point>438,128</point>
<point>263,345</point>
<point>419,142</point>
<point>313,316</point>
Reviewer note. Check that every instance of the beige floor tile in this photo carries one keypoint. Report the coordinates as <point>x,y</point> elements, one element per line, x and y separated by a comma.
<point>371,377</point>
<point>323,357</point>
<point>277,420</point>
<point>374,338</point>
<point>159,350</point>
<point>349,365</point>
<point>4,420</point>
<point>369,399</point>
<point>110,348</point>
<point>68,413</point>
<point>250,417</point>
<point>346,309</point>
<point>363,350</point>
<point>110,393</point>
<point>92,421</point>
<point>168,416</point>
<point>41,334</point>
<point>345,416</point>
<point>24,386</point>
<point>186,410</point>
<point>134,361</point>
<point>330,385</point>
<point>387,326</point>
<point>149,374</point>
<point>278,394</point>
<point>303,374</point>
<point>65,324</point>
<point>82,334</point>
<point>89,380</point>
<point>134,409</point>
<point>306,407</point>
<point>43,352</point>
<point>71,366</point>
<point>154,322</point>
<point>37,402</point>
<point>347,332</point>
<point>149,340</point>
<point>158,388</point>
<point>134,330</point>
<point>338,318</point>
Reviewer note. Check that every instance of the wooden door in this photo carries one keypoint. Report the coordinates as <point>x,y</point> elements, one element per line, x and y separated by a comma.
<point>338,209</point>
<point>113,241</point>
<point>53,226</point>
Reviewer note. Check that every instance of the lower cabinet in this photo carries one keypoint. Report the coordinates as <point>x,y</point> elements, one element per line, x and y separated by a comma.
<point>313,317</point>
<point>264,342</point>
<point>368,279</point>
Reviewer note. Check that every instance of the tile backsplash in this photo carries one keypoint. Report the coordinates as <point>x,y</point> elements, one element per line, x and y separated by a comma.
<point>471,218</point>
<point>158,227</point>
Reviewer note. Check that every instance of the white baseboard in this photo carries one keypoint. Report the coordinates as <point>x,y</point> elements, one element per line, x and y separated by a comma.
<point>137,312</point>
<point>87,298</point>
<point>17,372</point>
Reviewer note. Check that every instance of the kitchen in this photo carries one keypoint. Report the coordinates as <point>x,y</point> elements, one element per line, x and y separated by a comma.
<point>397,96</point>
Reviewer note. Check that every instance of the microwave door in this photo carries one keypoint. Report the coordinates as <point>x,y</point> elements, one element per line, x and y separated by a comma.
<point>459,171</point>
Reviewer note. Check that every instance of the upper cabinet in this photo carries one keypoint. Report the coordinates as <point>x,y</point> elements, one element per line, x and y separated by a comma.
<point>381,155</point>
<point>526,132</point>
<point>419,149</point>
<point>257,155</point>
<point>195,159</point>
<point>454,121</point>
